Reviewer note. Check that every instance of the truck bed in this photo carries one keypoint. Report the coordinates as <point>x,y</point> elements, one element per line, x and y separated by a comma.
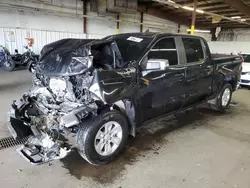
<point>221,58</point>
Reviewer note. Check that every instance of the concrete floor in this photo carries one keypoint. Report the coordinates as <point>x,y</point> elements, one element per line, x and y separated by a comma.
<point>197,149</point>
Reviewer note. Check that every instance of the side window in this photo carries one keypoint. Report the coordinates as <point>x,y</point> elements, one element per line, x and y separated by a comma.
<point>193,49</point>
<point>165,49</point>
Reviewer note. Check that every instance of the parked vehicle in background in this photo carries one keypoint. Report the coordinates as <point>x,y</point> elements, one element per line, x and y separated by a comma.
<point>14,60</point>
<point>4,56</point>
<point>245,76</point>
<point>101,91</point>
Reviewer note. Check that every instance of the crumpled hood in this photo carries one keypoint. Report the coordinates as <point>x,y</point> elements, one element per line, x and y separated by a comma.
<point>63,57</point>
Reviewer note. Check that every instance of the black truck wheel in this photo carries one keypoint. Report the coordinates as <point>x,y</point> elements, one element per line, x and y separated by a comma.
<point>224,98</point>
<point>9,65</point>
<point>102,138</point>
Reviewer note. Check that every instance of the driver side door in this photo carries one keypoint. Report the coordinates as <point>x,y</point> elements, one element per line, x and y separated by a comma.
<point>164,91</point>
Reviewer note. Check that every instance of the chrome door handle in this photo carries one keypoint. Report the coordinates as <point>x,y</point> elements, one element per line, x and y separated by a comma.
<point>163,75</point>
<point>177,68</point>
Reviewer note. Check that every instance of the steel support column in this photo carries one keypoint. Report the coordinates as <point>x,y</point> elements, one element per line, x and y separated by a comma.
<point>84,18</point>
<point>118,24</point>
<point>193,18</point>
<point>141,26</point>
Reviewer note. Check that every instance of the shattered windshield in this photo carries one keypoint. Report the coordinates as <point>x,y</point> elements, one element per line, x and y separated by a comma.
<point>131,47</point>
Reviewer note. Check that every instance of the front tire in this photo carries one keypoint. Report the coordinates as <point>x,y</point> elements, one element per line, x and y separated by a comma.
<point>9,65</point>
<point>101,139</point>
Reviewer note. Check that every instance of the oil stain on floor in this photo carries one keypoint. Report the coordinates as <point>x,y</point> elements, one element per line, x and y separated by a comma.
<point>151,137</point>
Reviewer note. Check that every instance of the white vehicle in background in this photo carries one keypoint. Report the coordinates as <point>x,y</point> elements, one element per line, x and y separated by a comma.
<point>245,76</point>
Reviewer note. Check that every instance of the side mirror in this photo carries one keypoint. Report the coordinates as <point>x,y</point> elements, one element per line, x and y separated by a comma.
<point>157,64</point>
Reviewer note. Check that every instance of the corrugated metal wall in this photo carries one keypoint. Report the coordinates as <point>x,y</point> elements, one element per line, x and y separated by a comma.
<point>61,27</point>
<point>229,47</point>
<point>41,38</point>
<point>234,35</point>
<point>46,27</point>
<point>232,41</point>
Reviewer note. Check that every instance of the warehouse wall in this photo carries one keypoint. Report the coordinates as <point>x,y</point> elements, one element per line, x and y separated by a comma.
<point>14,38</point>
<point>229,47</point>
<point>232,41</point>
<point>48,27</point>
<point>234,35</point>
<point>41,21</point>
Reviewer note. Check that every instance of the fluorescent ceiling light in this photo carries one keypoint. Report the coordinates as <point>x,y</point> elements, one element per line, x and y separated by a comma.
<point>171,1</point>
<point>235,17</point>
<point>243,20</point>
<point>199,31</point>
<point>192,9</point>
<point>188,8</point>
<point>200,11</point>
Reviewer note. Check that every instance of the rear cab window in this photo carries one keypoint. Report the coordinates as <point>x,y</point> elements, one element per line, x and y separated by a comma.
<point>193,50</point>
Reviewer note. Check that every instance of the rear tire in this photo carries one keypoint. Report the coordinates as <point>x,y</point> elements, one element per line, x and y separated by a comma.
<point>224,98</point>
<point>94,140</point>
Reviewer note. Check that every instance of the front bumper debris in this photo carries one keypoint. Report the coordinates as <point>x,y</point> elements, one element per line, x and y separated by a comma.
<point>17,127</point>
<point>42,149</point>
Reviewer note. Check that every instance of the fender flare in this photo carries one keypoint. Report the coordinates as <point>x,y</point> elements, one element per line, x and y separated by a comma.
<point>127,107</point>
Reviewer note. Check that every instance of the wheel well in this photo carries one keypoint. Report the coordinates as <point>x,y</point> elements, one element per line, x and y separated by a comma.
<point>118,108</point>
<point>129,115</point>
<point>233,84</point>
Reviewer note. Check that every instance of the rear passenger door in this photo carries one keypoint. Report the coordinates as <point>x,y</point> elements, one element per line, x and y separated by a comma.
<point>199,70</point>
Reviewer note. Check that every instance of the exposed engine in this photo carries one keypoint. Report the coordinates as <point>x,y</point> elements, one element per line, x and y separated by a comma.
<point>60,97</point>
<point>54,106</point>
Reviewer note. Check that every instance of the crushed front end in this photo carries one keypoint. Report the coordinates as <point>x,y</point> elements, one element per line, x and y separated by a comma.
<point>51,111</point>
<point>74,82</point>
<point>49,115</point>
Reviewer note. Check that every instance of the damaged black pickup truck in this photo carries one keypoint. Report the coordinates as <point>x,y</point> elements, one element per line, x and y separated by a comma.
<point>98,92</point>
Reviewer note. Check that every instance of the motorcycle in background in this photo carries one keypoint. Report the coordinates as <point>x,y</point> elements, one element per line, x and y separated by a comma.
<point>5,57</point>
<point>25,59</point>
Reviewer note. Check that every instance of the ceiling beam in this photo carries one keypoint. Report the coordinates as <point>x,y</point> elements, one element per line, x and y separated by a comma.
<point>201,3</point>
<point>240,6</point>
<point>208,8</point>
<point>228,25</point>
<point>165,15</point>
<point>216,9</point>
<point>209,5</point>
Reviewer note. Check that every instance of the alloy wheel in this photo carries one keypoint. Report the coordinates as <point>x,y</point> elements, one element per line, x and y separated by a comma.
<point>108,138</point>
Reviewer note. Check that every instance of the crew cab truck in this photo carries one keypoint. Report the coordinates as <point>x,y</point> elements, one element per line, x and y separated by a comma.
<point>100,91</point>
